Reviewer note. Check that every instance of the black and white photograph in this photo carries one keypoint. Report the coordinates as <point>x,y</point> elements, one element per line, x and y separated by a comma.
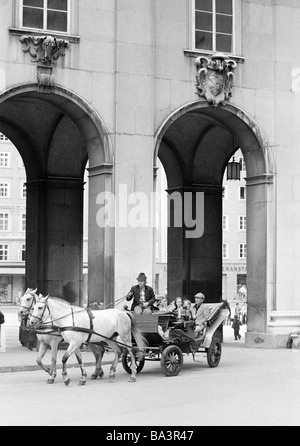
<point>149,215</point>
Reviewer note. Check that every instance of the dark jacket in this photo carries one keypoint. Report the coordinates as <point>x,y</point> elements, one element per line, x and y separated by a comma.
<point>236,324</point>
<point>149,296</point>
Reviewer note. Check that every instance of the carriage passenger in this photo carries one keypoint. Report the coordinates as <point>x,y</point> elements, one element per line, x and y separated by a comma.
<point>201,314</point>
<point>178,308</point>
<point>163,305</point>
<point>187,310</point>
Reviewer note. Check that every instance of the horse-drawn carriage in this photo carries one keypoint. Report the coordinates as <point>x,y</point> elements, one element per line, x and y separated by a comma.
<point>169,339</point>
<point>152,336</point>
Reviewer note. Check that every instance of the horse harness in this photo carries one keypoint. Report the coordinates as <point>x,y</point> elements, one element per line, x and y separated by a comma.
<point>55,330</point>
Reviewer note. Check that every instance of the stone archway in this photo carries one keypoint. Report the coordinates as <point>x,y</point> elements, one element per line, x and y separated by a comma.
<point>56,134</point>
<point>194,146</point>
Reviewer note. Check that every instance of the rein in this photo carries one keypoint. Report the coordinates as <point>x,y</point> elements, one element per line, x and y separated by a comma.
<point>117,302</point>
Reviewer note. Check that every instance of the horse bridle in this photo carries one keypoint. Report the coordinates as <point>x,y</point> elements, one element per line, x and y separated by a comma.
<point>40,319</point>
<point>33,295</point>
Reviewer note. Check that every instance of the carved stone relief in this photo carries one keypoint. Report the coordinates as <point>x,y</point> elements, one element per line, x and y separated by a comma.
<point>45,51</point>
<point>215,78</point>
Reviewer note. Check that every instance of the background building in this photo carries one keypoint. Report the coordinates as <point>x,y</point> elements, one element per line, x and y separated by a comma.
<point>234,234</point>
<point>12,222</point>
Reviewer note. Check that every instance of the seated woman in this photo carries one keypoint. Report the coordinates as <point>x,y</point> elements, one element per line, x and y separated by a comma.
<point>163,305</point>
<point>187,310</point>
<point>178,308</point>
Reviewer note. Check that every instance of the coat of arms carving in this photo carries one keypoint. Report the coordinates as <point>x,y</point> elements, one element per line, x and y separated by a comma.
<point>215,78</point>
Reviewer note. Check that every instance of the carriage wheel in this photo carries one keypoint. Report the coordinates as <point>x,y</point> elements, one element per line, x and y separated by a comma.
<point>171,360</point>
<point>127,363</point>
<point>214,353</point>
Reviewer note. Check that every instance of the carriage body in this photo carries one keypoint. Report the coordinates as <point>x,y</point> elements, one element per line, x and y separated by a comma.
<point>169,339</point>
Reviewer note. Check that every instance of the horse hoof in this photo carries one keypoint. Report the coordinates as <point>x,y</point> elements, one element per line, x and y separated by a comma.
<point>94,377</point>
<point>67,382</point>
<point>132,380</point>
<point>101,375</point>
<point>111,379</point>
<point>82,383</point>
<point>50,381</point>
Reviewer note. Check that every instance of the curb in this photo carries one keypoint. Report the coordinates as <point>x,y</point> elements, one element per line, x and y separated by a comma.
<point>36,368</point>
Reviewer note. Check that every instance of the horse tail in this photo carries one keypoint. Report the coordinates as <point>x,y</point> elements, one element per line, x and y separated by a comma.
<point>140,340</point>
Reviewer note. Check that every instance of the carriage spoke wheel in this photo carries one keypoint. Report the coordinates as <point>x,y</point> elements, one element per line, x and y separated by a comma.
<point>127,363</point>
<point>171,360</point>
<point>214,353</point>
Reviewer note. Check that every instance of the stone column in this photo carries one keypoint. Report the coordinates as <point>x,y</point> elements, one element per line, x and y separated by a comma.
<point>54,260</point>
<point>195,262</point>
<point>260,256</point>
<point>101,240</point>
<point>35,235</point>
<point>176,270</point>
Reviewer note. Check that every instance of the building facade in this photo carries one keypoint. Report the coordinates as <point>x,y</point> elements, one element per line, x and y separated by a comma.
<point>12,222</point>
<point>112,83</point>
<point>234,270</point>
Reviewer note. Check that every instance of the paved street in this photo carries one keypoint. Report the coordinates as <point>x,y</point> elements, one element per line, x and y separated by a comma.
<point>250,387</point>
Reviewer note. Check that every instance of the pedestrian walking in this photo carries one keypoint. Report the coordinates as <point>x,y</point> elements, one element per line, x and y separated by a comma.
<point>236,328</point>
<point>244,314</point>
<point>238,311</point>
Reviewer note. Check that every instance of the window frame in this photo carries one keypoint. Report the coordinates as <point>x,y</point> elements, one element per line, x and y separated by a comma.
<point>225,250</point>
<point>192,51</point>
<point>23,222</point>
<point>45,11</point>
<point>240,196</point>
<point>3,138</point>
<point>242,163</point>
<point>23,189</point>
<point>242,223</point>
<point>6,221</point>
<point>21,252</point>
<point>4,247</point>
<point>6,185</point>
<point>5,155</point>
<point>214,29</point>
<point>242,253</point>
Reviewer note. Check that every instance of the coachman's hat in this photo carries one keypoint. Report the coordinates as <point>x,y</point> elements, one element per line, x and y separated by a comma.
<point>141,277</point>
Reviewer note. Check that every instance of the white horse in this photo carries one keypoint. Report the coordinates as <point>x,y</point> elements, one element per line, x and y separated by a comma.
<point>52,339</point>
<point>77,327</point>
<point>28,300</point>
